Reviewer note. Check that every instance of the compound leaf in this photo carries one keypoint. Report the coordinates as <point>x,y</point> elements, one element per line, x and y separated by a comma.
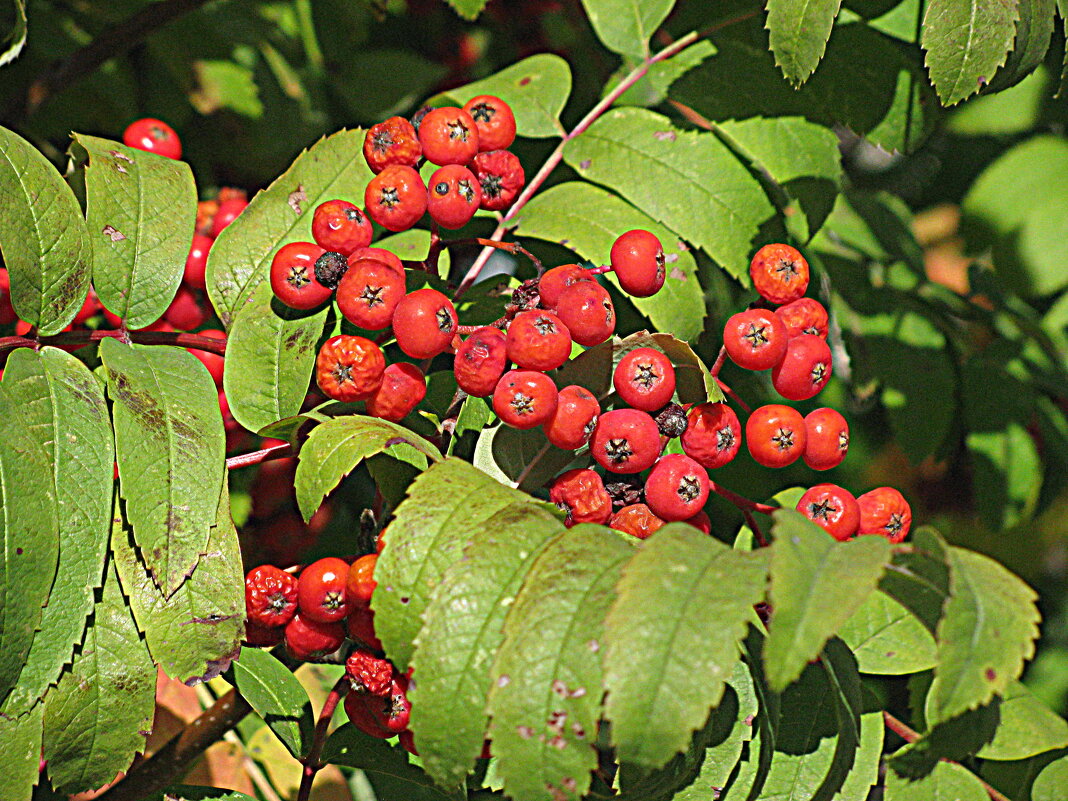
<point>887,639</point>
<point>965,43</point>
<point>625,26</point>
<point>277,696</point>
<point>799,30</point>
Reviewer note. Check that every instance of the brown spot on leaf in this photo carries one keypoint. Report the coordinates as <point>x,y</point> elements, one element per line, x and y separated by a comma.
<point>525,732</point>
<point>990,674</point>
<point>119,155</point>
<point>677,274</point>
<point>664,136</point>
<point>585,164</point>
<point>397,441</point>
<point>297,197</point>
<point>113,232</point>
<point>525,80</point>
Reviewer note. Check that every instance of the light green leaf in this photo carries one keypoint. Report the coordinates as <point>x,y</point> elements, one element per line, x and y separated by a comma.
<point>1050,784</point>
<point>468,9</point>
<point>188,792</point>
<point>16,39</point>
<point>277,696</point>
<point>225,84</point>
<point>947,781</point>
<point>887,639</point>
<point>708,591</point>
<point>799,30</point>
<point>1006,473</point>
<point>21,737</point>
<point>626,26</point>
<point>546,681</point>
<point>336,447</point>
<point>171,448</point>
<point>865,772</point>
<point>816,585</point>
<point>45,243</point>
<point>99,715</point>
<point>1010,112</point>
<point>1034,29</point>
<point>965,43</point>
<point>1027,727</point>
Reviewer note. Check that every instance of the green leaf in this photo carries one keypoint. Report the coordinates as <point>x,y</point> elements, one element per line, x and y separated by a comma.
<point>270,357</point>
<point>240,259</point>
<point>524,459</point>
<point>1034,28</point>
<point>965,43</point>
<point>1050,784</point>
<point>626,26</point>
<point>225,85</point>
<point>188,792</point>
<point>919,579</point>
<point>277,696</point>
<point>336,447</point>
<point>99,715</point>
<point>799,30</point>
<point>954,739</point>
<point>63,404</point>
<point>865,772</point>
<point>713,201</point>
<point>141,211</point>
<point>987,631</point>
<point>946,781</point>
<point>1012,111</point>
<point>887,639</point>
<point>1027,727</point>
<point>708,591</point>
<point>16,39</point>
<point>45,243</point>
<point>587,219</point>
<point>1006,473</point>
<point>546,692</point>
<point>194,633</point>
<point>170,444</point>
<point>21,737</point>
<point>535,88</point>
<point>462,632</point>
<point>468,9</point>
<point>816,585</point>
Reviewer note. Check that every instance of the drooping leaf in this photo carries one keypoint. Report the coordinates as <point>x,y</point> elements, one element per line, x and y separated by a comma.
<point>277,696</point>
<point>887,639</point>
<point>626,26</point>
<point>98,716</point>
<point>965,43</point>
<point>170,444</point>
<point>16,39</point>
<point>462,632</point>
<point>799,30</point>
<point>141,212</point>
<point>714,202</point>
<point>46,245</point>
<point>708,590</point>
<point>1050,783</point>
<point>816,584</point>
<point>1027,727</point>
<point>21,737</point>
<point>546,681</point>
<point>947,780</point>
<point>64,407</point>
<point>336,447</point>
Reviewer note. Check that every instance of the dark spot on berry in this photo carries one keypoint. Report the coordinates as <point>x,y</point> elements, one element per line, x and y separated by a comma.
<point>329,269</point>
<point>458,131</point>
<point>671,420</point>
<point>382,141</point>
<point>491,184</point>
<point>645,375</point>
<point>442,188</point>
<point>893,525</point>
<point>544,326</point>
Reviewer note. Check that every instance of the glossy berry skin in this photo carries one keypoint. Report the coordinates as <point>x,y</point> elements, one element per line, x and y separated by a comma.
<point>387,257</point>
<point>832,508</point>
<point>538,340</point>
<point>500,176</point>
<point>309,640</point>
<point>581,493</point>
<point>454,195</point>
<point>7,313</point>
<point>197,261</point>
<point>213,361</point>
<point>588,313</point>
<point>494,120</point>
<point>701,521</point>
<point>293,276</point>
<point>395,198</point>
<point>775,435</point>
<point>804,370</point>
<point>826,439</point>
<point>713,434</point>
<point>369,293</point>
<point>270,596</point>
<point>884,512</point>
<point>779,273</point>
<point>448,136</point>
<point>637,520</point>
<point>574,420</point>
<point>625,441</point>
<point>360,626</point>
<point>321,591</point>
<point>340,226</point>
<point>755,339</point>
<point>187,311</point>
<point>227,212</point>
<point>154,136</point>
<point>481,360</point>
<point>553,282</point>
<point>403,388</point>
<point>524,398</point>
<point>369,674</point>
<point>645,379</point>
<point>359,711</point>
<point>349,368</point>
<point>677,487</point>
<point>393,141</point>
<point>804,316</point>
<point>424,323</point>
<point>637,259</point>
<point>361,579</point>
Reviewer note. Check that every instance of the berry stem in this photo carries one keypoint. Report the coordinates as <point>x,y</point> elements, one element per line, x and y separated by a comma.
<point>741,501</point>
<point>731,394</point>
<point>178,338</point>
<point>311,761</point>
<point>557,155</point>
<point>604,268</point>
<point>513,248</point>
<point>720,359</point>
<point>752,523</point>
<point>260,456</point>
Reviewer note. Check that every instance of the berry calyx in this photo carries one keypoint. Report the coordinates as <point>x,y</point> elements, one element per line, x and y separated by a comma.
<point>755,339</point>
<point>293,276</point>
<point>575,418</point>
<point>524,398</point>
<point>581,493</point>
<point>538,340</point>
<point>775,435</point>
<point>340,226</point>
<point>885,512</point>
<point>349,368</point>
<point>645,379</point>
<point>321,593</point>
<point>625,441</point>
<point>481,360</point>
<point>832,508</point>
<point>153,136</point>
<point>804,370</point>
<point>826,439</point>
<point>677,487</point>
<point>494,120</point>
<point>713,435</point>
<point>424,323</point>
<point>779,273</point>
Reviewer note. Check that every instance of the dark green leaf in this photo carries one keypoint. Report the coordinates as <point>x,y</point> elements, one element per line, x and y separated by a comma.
<point>946,781</point>
<point>475,414</point>
<point>953,739</point>
<point>187,792</point>
<point>625,26</point>
<point>966,42</point>
<point>1028,727</point>
<point>799,30</point>
<point>1050,784</point>
<point>1034,28</point>
<point>22,754</point>
<point>46,245</point>
<point>878,225</point>
<point>919,579</point>
<point>170,444</point>
<point>277,696</point>
<point>16,39</point>
<point>887,639</point>
<point>524,459</point>
<point>468,9</point>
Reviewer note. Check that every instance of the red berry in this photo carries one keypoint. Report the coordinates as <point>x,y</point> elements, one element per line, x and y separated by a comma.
<point>369,293</point>
<point>775,435</point>
<point>645,379</point>
<point>259,636</point>
<point>454,195</point>
<point>7,313</point>
<point>407,741</point>
<point>310,640</point>
<point>804,370</point>
<point>155,136</point>
<point>701,522</point>
<point>340,226</point>
<point>89,308</point>
<point>391,142</point>
<point>581,493</point>
<point>197,261</point>
<point>804,316</point>
<point>387,257</point>
<point>270,596</point>
<point>403,388</point>
<point>424,323</point>
<point>361,579</point>
<point>886,513</point>
<point>832,508</point>
<point>677,487</point>
<point>293,276</point>
<point>448,136</point>
<point>574,420</point>
<point>826,439</point>
<point>625,441</point>
<point>779,273</point>
<point>359,708</point>
<point>755,339</point>
<point>524,398</point>
<point>321,590</point>
<point>481,360</point>
<point>369,674</point>
<point>227,212</point>
<point>360,625</point>
<point>638,262</point>
<point>553,282</point>
<point>538,340</point>
<point>399,708</point>
<point>187,311</point>
<point>395,198</point>
<point>636,519</point>
<point>349,368</point>
<point>494,120</point>
<point>713,434</point>
<point>213,361</point>
<point>501,177</point>
<point>588,313</point>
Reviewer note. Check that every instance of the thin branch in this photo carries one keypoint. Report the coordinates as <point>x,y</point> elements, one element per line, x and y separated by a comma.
<point>311,762</point>
<point>260,456</point>
<point>720,359</point>
<point>730,393</point>
<point>752,523</point>
<point>741,501</point>
<point>179,339</point>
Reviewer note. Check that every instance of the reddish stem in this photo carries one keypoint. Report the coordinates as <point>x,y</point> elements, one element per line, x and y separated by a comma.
<point>513,248</point>
<point>720,359</point>
<point>752,523</point>
<point>257,457</point>
<point>177,338</point>
<point>741,501</point>
<point>311,762</point>
<point>730,394</point>
<point>604,268</point>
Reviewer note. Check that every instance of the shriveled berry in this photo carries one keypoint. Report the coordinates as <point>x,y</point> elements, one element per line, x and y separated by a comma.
<point>645,379</point>
<point>293,276</point>
<point>755,339</point>
<point>424,323</point>
<point>826,439</point>
<point>369,674</point>
<point>154,136</point>
<point>403,388</point>
<point>524,398</point>
<point>671,420</point>
<point>399,708</point>
<point>481,360</point>
<point>775,435</point>
<point>636,519</point>
<point>677,487</point>
<point>574,420</point>
<point>340,226</point>
<point>330,268</point>
<point>885,512</point>
<point>310,640</point>
<point>494,119</point>
<point>625,441</point>
<point>538,340</point>
<point>779,272</point>
<point>197,261</point>
<point>501,177</point>
<point>637,259</point>
<point>804,316</point>
<point>349,368</point>
<point>804,370</point>
<point>713,434</point>
<point>588,313</point>
<point>393,141</point>
<point>832,508</point>
<point>321,591</point>
<point>554,281</point>
<point>395,198</point>
<point>361,579</point>
<point>369,293</point>
<point>270,596</point>
<point>448,136</point>
<point>581,493</point>
<point>454,196</point>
